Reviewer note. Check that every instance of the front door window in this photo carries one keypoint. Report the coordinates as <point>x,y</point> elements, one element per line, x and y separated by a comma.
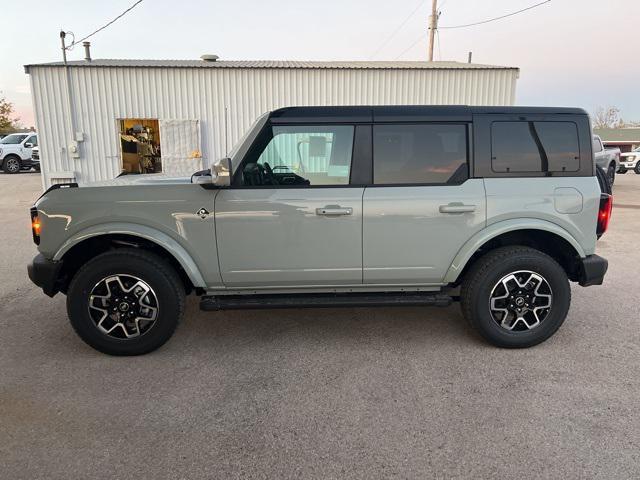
<point>302,155</point>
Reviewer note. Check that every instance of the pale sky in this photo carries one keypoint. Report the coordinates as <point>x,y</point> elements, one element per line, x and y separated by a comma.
<point>582,53</point>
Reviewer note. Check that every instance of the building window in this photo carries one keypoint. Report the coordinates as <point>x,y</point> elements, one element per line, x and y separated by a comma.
<point>419,154</point>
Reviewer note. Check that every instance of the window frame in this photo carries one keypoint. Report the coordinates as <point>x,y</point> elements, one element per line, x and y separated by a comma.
<point>469,154</point>
<point>483,145</point>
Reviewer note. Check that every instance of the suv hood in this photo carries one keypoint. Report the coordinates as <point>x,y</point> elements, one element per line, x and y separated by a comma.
<point>141,179</point>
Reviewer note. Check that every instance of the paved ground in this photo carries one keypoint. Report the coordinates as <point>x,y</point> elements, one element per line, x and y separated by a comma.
<point>344,393</point>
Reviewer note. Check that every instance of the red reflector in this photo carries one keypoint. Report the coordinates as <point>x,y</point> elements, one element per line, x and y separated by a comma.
<point>604,213</point>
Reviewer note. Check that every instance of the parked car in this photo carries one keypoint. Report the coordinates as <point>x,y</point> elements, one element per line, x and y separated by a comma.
<point>15,151</point>
<point>35,158</point>
<point>607,159</point>
<point>340,206</point>
<point>630,161</point>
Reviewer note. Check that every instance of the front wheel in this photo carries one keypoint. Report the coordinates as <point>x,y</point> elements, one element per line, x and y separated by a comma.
<point>125,302</point>
<point>515,297</point>
<point>637,168</point>
<point>11,164</point>
<point>622,171</point>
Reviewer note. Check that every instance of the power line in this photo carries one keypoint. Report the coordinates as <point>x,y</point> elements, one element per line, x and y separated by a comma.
<point>105,26</point>
<point>410,47</point>
<point>384,44</point>
<point>498,18</point>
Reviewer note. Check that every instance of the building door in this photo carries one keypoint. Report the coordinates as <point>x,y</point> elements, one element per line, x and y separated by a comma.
<point>422,207</point>
<point>292,218</point>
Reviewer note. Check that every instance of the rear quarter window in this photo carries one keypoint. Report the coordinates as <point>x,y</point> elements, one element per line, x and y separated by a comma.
<point>530,146</point>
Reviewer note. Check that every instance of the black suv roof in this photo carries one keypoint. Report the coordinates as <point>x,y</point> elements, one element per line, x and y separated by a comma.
<point>391,113</point>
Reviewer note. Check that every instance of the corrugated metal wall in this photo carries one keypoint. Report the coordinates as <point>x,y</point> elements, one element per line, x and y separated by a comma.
<point>101,96</point>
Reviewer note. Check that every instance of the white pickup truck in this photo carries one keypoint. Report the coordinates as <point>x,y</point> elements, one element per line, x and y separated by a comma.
<point>16,150</point>
<point>630,161</point>
<point>608,159</point>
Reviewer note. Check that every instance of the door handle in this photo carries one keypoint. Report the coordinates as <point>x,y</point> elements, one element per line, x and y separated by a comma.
<point>457,208</point>
<point>334,210</point>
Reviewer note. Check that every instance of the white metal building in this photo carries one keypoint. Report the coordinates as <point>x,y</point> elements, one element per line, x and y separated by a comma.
<point>94,117</point>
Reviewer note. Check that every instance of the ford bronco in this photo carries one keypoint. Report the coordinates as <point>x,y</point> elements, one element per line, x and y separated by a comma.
<point>497,207</point>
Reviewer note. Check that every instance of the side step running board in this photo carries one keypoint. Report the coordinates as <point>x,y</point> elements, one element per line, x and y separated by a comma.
<point>317,300</point>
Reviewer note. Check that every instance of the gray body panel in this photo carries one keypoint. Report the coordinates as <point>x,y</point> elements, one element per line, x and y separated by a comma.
<point>570,203</point>
<point>272,237</point>
<point>408,240</point>
<point>163,213</point>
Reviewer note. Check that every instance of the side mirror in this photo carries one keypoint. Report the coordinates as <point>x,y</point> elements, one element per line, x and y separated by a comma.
<point>28,145</point>
<point>221,172</point>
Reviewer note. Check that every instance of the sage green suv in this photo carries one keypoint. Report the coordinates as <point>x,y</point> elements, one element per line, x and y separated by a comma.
<point>498,207</point>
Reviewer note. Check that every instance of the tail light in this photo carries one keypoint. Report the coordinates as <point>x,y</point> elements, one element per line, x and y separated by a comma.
<point>604,213</point>
<point>36,226</point>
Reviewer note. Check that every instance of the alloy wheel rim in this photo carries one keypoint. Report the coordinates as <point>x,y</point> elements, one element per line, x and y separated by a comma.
<point>12,165</point>
<point>520,301</point>
<point>123,306</point>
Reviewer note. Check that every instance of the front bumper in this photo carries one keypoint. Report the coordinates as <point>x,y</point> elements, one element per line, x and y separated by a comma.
<point>44,273</point>
<point>592,270</point>
<point>628,165</point>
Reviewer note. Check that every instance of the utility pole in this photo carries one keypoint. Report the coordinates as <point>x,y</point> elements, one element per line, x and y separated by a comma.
<point>64,47</point>
<point>433,25</point>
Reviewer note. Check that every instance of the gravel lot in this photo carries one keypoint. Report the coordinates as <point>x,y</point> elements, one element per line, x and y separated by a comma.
<point>339,393</point>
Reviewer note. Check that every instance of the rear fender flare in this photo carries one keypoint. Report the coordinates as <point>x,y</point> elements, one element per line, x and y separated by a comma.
<point>500,228</point>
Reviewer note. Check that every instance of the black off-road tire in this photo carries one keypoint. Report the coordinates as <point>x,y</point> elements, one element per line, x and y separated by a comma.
<point>150,268</point>
<point>611,174</point>
<point>637,168</point>
<point>487,272</point>
<point>11,164</point>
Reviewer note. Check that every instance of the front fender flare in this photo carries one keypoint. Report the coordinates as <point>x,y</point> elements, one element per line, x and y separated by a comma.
<point>148,233</point>
<point>499,228</point>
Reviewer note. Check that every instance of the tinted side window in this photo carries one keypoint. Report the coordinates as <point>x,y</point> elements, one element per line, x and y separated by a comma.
<point>33,140</point>
<point>534,147</point>
<point>426,153</point>
<point>560,142</point>
<point>513,148</point>
<point>302,155</point>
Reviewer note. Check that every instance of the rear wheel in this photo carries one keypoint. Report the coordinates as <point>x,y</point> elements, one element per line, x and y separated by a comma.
<point>516,297</point>
<point>125,302</point>
<point>11,164</point>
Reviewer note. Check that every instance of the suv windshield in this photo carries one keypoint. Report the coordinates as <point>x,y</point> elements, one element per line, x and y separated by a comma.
<point>13,139</point>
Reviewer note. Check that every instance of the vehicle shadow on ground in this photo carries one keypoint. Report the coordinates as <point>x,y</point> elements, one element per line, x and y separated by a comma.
<point>353,326</point>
